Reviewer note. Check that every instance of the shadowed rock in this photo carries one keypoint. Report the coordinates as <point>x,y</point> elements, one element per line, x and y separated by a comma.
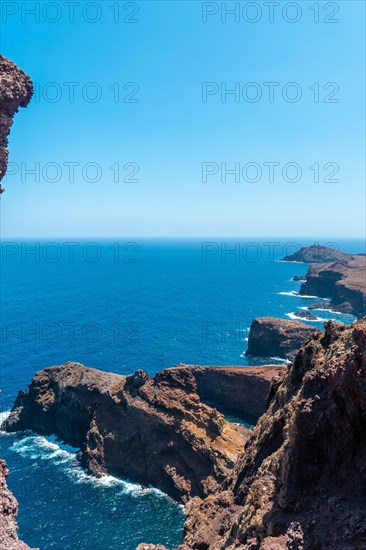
<point>8,515</point>
<point>274,337</point>
<point>300,483</point>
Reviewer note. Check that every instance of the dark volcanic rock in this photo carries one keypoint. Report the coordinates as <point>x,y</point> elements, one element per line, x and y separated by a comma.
<point>16,90</point>
<point>326,304</point>
<point>151,430</point>
<point>300,482</point>
<point>343,283</point>
<point>298,278</point>
<point>237,390</point>
<point>317,254</point>
<point>305,315</point>
<point>8,515</point>
<point>273,337</point>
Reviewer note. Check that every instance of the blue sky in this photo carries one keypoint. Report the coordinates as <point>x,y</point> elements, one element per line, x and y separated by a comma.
<point>170,132</point>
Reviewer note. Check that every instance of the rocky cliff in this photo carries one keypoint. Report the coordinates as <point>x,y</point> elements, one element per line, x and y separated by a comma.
<point>151,430</point>
<point>274,337</point>
<point>16,90</point>
<point>240,391</point>
<point>317,254</point>
<point>8,515</point>
<point>344,283</point>
<point>300,483</point>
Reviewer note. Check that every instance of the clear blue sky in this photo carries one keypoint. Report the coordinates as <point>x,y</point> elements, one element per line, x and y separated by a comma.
<point>170,132</point>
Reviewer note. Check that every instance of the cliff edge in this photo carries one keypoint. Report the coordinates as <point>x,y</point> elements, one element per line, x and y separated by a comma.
<point>300,482</point>
<point>16,90</point>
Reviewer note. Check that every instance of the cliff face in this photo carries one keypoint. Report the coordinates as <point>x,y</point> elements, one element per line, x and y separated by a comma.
<point>8,515</point>
<point>301,481</point>
<point>343,283</point>
<point>151,430</point>
<point>273,337</point>
<point>16,90</point>
<point>240,391</point>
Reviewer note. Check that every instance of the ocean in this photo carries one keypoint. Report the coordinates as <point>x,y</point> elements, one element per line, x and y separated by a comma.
<point>122,305</point>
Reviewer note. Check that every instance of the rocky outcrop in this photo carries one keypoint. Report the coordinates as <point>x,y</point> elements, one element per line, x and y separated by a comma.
<point>8,515</point>
<point>155,431</point>
<point>273,337</point>
<point>344,283</point>
<point>300,483</point>
<point>305,315</point>
<point>16,90</point>
<point>317,254</point>
<point>237,390</point>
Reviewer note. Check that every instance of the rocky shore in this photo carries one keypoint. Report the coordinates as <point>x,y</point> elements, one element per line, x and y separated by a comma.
<point>343,283</point>
<point>300,482</point>
<point>274,337</point>
<point>8,515</point>
<point>335,275</point>
<point>155,431</point>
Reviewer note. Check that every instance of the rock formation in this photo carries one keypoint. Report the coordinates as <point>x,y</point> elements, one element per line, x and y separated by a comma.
<point>300,483</point>
<point>344,283</point>
<point>316,254</point>
<point>273,337</point>
<point>150,430</point>
<point>240,391</point>
<point>305,315</point>
<point>8,515</point>
<point>16,90</point>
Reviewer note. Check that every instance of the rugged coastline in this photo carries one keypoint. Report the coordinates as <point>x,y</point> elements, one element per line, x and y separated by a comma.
<point>275,337</point>
<point>155,431</point>
<point>8,515</point>
<point>300,481</point>
<point>337,276</point>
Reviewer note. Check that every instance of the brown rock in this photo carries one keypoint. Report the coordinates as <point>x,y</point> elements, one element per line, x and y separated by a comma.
<point>150,430</point>
<point>301,481</point>
<point>8,515</point>
<point>273,337</point>
<point>237,390</point>
<point>344,283</point>
<point>16,90</point>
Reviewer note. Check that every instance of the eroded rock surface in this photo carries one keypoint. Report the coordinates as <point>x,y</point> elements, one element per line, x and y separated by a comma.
<point>274,337</point>
<point>16,90</point>
<point>8,515</point>
<point>237,390</point>
<point>151,430</point>
<point>300,483</point>
<point>344,283</point>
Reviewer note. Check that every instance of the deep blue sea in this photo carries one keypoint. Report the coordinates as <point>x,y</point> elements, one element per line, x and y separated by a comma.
<point>123,305</point>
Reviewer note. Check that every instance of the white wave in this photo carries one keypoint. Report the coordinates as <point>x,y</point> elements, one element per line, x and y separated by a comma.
<point>280,360</point>
<point>296,294</point>
<point>3,416</point>
<point>333,311</point>
<point>316,320</point>
<point>44,448</point>
<point>246,339</point>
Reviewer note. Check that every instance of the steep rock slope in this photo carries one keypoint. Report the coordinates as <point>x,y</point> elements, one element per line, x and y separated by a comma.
<point>300,482</point>
<point>16,90</point>
<point>150,430</point>
<point>274,337</point>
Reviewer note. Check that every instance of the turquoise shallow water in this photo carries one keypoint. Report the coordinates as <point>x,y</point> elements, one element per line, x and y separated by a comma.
<point>146,306</point>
